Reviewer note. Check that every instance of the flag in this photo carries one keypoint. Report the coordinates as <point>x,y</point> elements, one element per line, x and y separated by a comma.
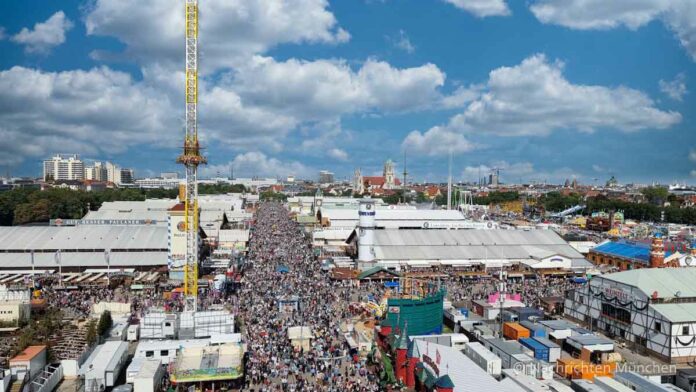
<point>32,257</point>
<point>56,257</point>
<point>437,356</point>
<point>106,257</point>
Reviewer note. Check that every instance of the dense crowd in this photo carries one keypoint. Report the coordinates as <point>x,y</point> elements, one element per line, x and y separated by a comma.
<point>281,264</point>
<point>531,290</point>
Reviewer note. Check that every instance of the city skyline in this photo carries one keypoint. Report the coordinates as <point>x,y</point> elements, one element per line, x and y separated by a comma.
<point>540,93</point>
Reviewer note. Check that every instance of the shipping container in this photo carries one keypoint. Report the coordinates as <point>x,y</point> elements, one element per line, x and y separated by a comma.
<point>588,371</point>
<point>536,330</point>
<point>515,331</point>
<point>509,316</point>
<point>482,357</point>
<point>149,377</point>
<point>572,368</point>
<point>524,363</point>
<point>527,313</point>
<point>540,351</point>
<point>544,370</point>
<point>640,383</point>
<point>133,331</point>
<point>565,366</point>
<point>611,385</point>
<point>554,349</point>
<point>506,350</point>
<point>585,386</point>
<point>557,329</point>
<point>591,343</point>
<point>523,381</point>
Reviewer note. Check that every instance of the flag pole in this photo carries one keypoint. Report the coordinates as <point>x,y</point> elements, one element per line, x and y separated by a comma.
<point>33,278</point>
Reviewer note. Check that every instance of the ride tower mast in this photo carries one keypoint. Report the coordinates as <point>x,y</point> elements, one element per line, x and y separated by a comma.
<point>191,158</point>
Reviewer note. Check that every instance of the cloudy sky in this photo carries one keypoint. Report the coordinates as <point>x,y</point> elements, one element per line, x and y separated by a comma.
<point>543,89</point>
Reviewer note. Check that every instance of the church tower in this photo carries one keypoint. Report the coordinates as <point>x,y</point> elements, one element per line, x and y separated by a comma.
<point>389,179</point>
<point>358,183</point>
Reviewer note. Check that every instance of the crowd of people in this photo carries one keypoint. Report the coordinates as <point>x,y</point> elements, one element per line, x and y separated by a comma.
<point>281,264</point>
<point>531,290</point>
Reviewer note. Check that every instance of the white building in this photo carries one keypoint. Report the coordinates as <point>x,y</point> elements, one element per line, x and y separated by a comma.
<point>103,244</point>
<point>396,217</point>
<point>326,177</point>
<point>156,183</point>
<point>536,249</point>
<point>113,173</point>
<point>655,308</point>
<point>63,167</point>
<point>104,365</point>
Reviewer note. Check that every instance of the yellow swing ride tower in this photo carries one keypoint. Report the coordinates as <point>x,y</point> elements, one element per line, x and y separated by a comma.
<point>191,158</point>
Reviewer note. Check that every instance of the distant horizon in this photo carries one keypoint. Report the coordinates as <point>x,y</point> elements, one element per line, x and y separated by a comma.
<point>348,178</point>
<point>544,89</point>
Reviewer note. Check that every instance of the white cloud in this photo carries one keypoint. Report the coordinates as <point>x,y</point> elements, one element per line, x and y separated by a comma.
<point>436,141</point>
<point>324,89</point>
<point>338,154</point>
<point>256,163</point>
<point>230,30</point>
<point>513,170</point>
<point>482,8</point>
<point>3,35</point>
<point>598,168</point>
<point>461,96</point>
<point>678,15</point>
<point>101,111</point>
<point>45,35</point>
<point>321,139</point>
<point>692,155</point>
<point>693,173</point>
<point>403,42</point>
<point>534,98</point>
<point>675,89</point>
<point>93,111</point>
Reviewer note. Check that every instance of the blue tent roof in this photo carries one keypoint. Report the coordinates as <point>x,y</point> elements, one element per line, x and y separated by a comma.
<point>283,269</point>
<point>444,382</point>
<point>636,251</point>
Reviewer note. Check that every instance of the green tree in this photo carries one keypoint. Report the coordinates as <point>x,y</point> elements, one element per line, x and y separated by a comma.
<point>105,323</point>
<point>270,195</point>
<point>91,335</point>
<point>655,194</point>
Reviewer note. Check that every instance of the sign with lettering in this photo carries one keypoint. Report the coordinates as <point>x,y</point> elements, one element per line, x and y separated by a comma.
<point>612,292</point>
<point>429,361</point>
<point>75,222</point>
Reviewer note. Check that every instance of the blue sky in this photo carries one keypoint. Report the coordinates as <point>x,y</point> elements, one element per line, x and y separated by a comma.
<point>544,90</point>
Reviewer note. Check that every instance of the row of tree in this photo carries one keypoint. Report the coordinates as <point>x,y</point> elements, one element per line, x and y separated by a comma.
<point>653,210</point>
<point>21,206</point>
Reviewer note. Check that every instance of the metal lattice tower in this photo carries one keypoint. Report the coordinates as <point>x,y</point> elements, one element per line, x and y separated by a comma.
<point>191,158</point>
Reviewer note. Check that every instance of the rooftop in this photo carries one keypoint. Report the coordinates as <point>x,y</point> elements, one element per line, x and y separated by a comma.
<point>29,353</point>
<point>464,374</point>
<point>637,251</point>
<point>677,312</point>
<point>664,282</point>
<point>471,245</point>
<point>82,237</point>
